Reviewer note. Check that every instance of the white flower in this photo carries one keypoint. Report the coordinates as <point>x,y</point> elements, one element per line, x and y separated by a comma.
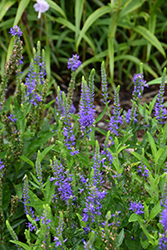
<point>41,6</point>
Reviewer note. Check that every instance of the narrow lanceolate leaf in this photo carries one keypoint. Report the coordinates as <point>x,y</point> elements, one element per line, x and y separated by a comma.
<point>4,6</point>
<point>150,37</point>
<point>130,7</point>
<point>78,14</point>
<point>90,20</point>
<point>22,6</point>
<point>56,7</point>
<point>152,144</point>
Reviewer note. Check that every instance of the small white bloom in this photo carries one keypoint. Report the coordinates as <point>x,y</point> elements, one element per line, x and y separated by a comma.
<point>41,6</point>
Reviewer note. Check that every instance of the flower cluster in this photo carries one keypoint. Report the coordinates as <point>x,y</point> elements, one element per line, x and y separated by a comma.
<point>163,222</point>
<point>32,95</point>
<point>143,171</point>
<point>16,31</point>
<point>137,208</point>
<point>26,199</point>
<point>131,115</point>
<point>86,111</point>
<point>95,196</point>
<point>62,181</point>
<point>69,138</point>
<point>62,106</point>
<point>74,63</point>
<point>59,239</point>
<point>2,166</point>
<point>12,118</point>
<point>160,110</point>
<point>106,154</point>
<point>139,84</point>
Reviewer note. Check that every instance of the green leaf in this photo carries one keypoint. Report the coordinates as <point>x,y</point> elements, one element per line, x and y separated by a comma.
<point>35,144</point>
<point>36,203</point>
<point>137,61</point>
<point>44,152</point>
<point>24,158</point>
<point>83,224</point>
<point>120,238</point>
<point>78,14</point>
<point>145,243</point>
<point>150,37</point>
<point>101,115</point>
<point>156,81</point>
<point>21,244</point>
<point>56,7</point>
<point>19,190</point>
<point>49,191</point>
<point>152,144</point>
<point>47,59</point>
<point>90,20</point>
<point>22,6</point>
<point>155,210</point>
<point>4,6</point>
<point>133,217</point>
<point>73,28</point>
<point>130,7</point>
<point>5,196</point>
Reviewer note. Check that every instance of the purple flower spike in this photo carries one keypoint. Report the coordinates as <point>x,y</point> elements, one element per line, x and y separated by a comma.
<point>74,63</point>
<point>15,31</point>
<point>163,220</point>
<point>86,111</point>
<point>41,6</point>
<point>139,84</point>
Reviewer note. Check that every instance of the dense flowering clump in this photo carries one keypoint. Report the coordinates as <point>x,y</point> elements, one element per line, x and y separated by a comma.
<point>86,111</point>
<point>74,63</point>
<point>16,31</point>
<point>116,119</point>
<point>137,208</point>
<point>139,84</point>
<point>41,6</point>
<point>95,196</point>
<point>160,110</point>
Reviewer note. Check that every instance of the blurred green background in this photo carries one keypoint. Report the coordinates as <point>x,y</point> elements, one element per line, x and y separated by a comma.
<point>123,33</point>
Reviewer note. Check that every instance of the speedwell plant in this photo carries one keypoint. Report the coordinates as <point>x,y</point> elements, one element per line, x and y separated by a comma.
<point>60,188</point>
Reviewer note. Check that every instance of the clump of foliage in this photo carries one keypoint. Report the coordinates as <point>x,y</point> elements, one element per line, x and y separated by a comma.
<point>60,189</point>
<point>122,33</point>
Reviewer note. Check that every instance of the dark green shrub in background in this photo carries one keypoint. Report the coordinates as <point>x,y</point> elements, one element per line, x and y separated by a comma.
<point>123,33</point>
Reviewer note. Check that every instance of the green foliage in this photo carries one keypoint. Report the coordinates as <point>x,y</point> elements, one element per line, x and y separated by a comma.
<point>76,192</point>
<point>121,33</point>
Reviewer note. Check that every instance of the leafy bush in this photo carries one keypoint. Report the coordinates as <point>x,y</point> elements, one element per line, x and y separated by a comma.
<point>60,189</point>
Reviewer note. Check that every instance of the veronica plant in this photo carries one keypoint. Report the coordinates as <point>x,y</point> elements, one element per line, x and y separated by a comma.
<point>62,188</point>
